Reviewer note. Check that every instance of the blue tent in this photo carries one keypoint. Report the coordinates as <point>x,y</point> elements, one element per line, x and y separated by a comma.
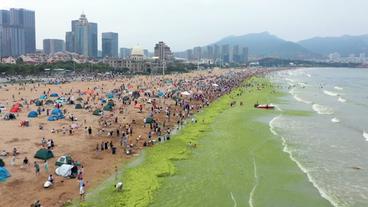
<point>52,118</point>
<point>33,114</point>
<point>56,112</point>
<point>110,95</point>
<point>43,97</point>
<point>54,95</point>
<point>160,93</point>
<point>4,174</point>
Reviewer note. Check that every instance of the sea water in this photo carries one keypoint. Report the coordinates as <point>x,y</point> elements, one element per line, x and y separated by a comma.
<point>331,144</point>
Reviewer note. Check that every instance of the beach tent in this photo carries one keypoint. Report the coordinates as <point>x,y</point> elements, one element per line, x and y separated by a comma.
<point>107,108</point>
<point>78,106</point>
<point>138,106</point>
<point>110,95</point>
<point>89,92</point>
<point>49,102</point>
<point>43,97</point>
<point>79,99</point>
<point>97,112</point>
<point>136,94</point>
<point>56,112</point>
<point>54,95</point>
<point>160,94</point>
<point>4,174</point>
<point>9,116</point>
<point>149,120</point>
<point>44,154</point>
<point>185,93</point>
<point>33,114</point>
<point>38,103</point>
<point>2,163</point>
<point>65,159</point>
<point>64,170</point>
<point>15,108</point>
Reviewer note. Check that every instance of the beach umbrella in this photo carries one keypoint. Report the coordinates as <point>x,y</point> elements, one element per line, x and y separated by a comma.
<point>54,95</point>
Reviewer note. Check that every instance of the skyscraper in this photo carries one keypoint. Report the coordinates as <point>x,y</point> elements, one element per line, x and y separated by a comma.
<point>190,54</point>
<point>125,52</point>
<point>51,46</point>
<point>235,56</point>
<point>245,55</point>
<point>17,32</point>
<point>83,37</point>
<point>110,44</point>
<point>162,51</point>
<point>217,52</point>
<point>210,54</point>
<point>197,53</point>
<point>225,53</point>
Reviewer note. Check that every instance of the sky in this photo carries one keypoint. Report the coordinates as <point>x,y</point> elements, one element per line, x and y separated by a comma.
<point>183,24</point>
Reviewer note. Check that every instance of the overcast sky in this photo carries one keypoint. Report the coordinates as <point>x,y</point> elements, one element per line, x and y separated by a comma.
<point>183,24</point>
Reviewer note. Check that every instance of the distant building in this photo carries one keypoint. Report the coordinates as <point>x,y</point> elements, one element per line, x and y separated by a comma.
<point>210,52</point>
<point>235,55</point>
<point>245,55</point>
<point>69,41</point>
<point>225,53</point>
<point>190,54</point>
<point>197,53</point>
<point>162,51</point>
<point>125,52</point>
<point>17,32</point>
<point>110,44</point>
<point>216,52</point>
<point>83,37</point>
<point>51,46</point>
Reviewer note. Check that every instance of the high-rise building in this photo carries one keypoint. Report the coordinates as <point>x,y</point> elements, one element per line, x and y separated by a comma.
<point>125,52</point>
<point>83,37</point>
<point>51,46</point>
<point>210,52</point>
<point>244,55</point>
<point>190,54</point>
<point>110,44</point>
<point>235,55</point>
<point>216,52</point>
<point>197,53</point>
<point>225,53</point>
<point>162,51</point>
<point>69,41</point>
<point>17,32</point>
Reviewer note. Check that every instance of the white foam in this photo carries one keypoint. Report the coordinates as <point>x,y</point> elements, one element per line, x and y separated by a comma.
<point>290,80</point>
<point>342,100</point>
<point>324,110</point>
<point>330,93</point>
<point>233,198</point>
<point>338,88</point>
<point>305,171</point>
<point>335,120</point>
<point>298,98</point>
<point>365,135</point>
<point>250,201</point>
<point>309,75</point>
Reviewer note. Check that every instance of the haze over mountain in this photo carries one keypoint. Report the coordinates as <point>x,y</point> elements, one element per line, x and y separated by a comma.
<point>267,45</point>
<point>345,45</point>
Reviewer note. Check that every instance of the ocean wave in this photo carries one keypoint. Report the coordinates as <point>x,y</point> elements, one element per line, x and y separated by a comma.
<point>308,75</point>
<point>304,170</point>
<point>324,110</point>
<point>338,88</point>
<point>330,93</point>
<point>365,135</point>
<point>296,97</point>
<point>335,120</point>
<point>342,100</point>
<point>290,80</point>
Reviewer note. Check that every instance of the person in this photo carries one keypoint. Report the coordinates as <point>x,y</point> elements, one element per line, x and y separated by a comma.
<point>119,186</point>
<point>37,168</point>
<point>46,165</point>
<point>25,161</point>
<point>50,179</point>
<point>82,192</point>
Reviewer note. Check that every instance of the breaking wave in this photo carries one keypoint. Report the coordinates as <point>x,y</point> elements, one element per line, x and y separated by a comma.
<point>324,110</point>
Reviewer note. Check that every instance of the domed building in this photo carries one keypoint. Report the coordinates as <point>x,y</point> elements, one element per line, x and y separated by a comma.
<point>137,54</point>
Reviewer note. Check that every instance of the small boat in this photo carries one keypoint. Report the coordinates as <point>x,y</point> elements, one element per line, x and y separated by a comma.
<point>264,106</point>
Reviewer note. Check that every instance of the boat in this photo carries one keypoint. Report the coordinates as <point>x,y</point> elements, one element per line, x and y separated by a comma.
<point>264,106</point>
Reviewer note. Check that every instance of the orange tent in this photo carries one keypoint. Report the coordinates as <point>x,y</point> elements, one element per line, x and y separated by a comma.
<point>89,92</point>
<point>138,106</point>
<point>15,108</point>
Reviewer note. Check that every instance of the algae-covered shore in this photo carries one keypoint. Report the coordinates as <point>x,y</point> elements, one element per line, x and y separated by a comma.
<point>237,162</point>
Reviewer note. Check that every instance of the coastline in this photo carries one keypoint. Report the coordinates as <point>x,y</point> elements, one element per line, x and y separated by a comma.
<point>142,183</point>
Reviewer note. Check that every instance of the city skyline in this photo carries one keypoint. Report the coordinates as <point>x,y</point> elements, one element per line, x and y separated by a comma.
<point>139,23</point>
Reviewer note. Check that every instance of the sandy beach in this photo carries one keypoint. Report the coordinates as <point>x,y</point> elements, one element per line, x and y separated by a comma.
<point>72,138</point>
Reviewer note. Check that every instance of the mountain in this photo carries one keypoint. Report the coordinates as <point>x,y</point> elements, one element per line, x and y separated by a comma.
<point>345,45</point>
<point>267,45</point>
